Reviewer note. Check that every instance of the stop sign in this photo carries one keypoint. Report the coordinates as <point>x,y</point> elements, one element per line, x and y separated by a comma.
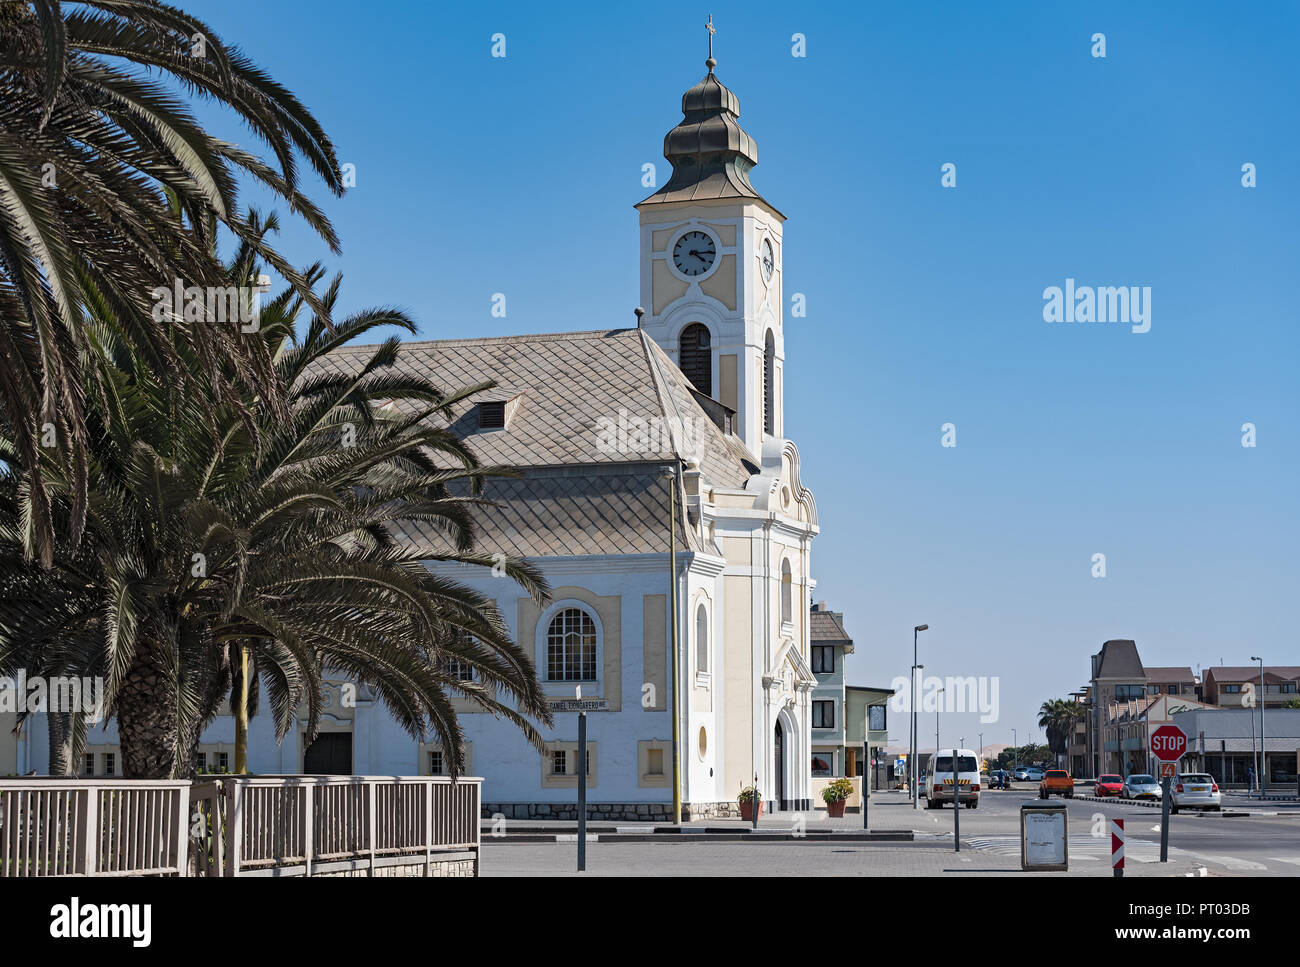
<point>1168,743</point>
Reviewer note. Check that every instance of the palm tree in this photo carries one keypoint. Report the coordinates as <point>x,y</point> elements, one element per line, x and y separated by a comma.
<point>215,529</point>
<point>1057,718</point>
<point>110,189</point>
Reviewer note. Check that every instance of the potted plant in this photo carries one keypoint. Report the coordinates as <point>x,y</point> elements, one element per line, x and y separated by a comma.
<point>749,800</point>
<point>836,796</point>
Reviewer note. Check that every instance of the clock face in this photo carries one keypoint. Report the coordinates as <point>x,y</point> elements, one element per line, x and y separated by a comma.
<point>694,253</point>
<point>769,259</point>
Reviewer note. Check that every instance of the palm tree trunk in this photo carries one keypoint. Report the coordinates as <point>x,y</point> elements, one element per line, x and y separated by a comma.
<point>59,725</point>
<point>241,715</point>
<point>146,717</point>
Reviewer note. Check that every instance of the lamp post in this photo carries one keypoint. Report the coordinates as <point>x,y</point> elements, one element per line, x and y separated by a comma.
<point>912,740</point>
<point>1263,759</point>
<point>670,474</point>
<point>936,721</point>
<point>1015,752</point>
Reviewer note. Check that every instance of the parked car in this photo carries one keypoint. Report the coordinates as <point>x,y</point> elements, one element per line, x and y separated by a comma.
<point>1140,786</point>
<point>1022,772</point>
<point>1034,774</point>
<point>1110,785</point>
<point>1195,791</point>
<point>999,779</point>
<point>961,785</point>
<point>1056,782</point>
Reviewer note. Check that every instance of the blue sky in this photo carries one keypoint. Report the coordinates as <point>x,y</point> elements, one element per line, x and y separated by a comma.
<point>478,175</point>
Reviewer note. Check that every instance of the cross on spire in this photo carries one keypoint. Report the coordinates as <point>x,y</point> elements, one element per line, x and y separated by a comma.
<point>710,63</point>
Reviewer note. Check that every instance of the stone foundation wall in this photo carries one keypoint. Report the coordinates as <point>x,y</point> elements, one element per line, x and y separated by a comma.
<point>438,868</point>
<point>629,812</point>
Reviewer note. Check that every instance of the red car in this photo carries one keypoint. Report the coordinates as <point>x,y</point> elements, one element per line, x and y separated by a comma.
<point>1109,785</point>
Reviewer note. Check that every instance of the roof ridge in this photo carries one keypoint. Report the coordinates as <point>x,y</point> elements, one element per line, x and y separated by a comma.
<point>484,340</point>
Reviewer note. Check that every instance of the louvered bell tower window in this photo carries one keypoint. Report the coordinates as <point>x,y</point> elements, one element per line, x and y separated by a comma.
<point>769,384</point>
<point>697,357</point>
<point>491,416</point>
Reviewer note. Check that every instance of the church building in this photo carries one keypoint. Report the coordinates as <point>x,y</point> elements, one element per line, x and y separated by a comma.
<point>669,432</point>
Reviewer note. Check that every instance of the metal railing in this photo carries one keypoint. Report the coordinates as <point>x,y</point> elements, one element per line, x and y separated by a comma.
<point>233,825</point>
<point>92,827</point>
<point>292,825</point>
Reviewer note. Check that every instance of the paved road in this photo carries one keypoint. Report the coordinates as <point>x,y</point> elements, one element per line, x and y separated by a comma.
<point>1253,845</point>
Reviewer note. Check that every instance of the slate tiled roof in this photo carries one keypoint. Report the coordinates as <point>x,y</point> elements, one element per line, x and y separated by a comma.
<point>578,495</point>
<point>1174,673</point>
<point>549,513</point>
<point>1250,673</point>
<point>827,626</point>
<point>1119,659</point>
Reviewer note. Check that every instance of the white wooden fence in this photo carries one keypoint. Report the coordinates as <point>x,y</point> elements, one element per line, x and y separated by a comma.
<point>236,825</point>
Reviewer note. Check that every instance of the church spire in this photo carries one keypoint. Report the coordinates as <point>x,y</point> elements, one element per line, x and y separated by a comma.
<point>711,153</point>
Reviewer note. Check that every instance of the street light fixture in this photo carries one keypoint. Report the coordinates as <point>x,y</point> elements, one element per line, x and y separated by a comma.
<point>911,758</point>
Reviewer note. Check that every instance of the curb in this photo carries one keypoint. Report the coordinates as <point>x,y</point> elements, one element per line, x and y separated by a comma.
<point>717,836</point>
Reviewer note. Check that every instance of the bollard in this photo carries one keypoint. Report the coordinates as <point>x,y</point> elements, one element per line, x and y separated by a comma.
<point>1117,847</point>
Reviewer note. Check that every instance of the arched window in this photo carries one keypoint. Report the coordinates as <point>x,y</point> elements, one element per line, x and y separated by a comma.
<point>696,356</point>
<point>702,639</point>
<point>787,591</point>
<point>571,647</point>
<point>769,383</point>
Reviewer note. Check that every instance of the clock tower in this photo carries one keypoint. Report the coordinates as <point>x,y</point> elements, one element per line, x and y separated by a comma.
<point>711,264</point>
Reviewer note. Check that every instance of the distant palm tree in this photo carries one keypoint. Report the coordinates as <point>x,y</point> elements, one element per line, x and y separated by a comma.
<point>215,528</point>
<point>110,189</point>
<point>1057,718</point>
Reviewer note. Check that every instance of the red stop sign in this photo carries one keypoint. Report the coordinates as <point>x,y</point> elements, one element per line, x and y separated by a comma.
<point>1168,743</point>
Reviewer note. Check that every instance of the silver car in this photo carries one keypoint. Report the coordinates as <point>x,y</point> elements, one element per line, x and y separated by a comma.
<point>1034,774</point>
<point>1195,791</point>
<point>1140,786</point>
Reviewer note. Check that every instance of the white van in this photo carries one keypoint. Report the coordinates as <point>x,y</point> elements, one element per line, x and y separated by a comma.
<point>941,783</point>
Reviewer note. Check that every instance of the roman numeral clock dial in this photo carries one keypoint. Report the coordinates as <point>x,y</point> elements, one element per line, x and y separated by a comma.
<point>694,253</point>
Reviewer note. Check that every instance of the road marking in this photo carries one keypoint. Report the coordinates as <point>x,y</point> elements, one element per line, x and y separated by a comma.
<point>1229,862</point>
<point>1286,859</point>
<point>1084,848</point>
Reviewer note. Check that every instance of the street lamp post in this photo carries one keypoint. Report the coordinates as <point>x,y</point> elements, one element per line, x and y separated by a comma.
<point>936,721</point>
<point>1263,758</point>
<point>912,739</point>
<point>1015,752</point>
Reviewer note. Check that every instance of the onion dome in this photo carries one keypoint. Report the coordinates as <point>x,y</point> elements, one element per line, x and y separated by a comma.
<point>710,152</point>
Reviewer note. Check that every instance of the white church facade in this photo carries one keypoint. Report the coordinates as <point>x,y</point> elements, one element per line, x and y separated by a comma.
<point>629,441</point>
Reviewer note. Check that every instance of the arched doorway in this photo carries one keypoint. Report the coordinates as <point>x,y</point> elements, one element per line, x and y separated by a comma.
<point>778,744</point>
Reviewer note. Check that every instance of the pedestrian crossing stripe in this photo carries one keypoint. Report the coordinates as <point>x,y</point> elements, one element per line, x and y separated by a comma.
<point>1137,851</point>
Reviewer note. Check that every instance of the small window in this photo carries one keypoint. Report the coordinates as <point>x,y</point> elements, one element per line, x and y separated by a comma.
<point>823,763</point>
<point>876,715</point>
<point>1173,689</point>
<point>435,762</point>
<point>110,764</point>
<point>654,762</point>
<point>461,671</point>
<point>702,640</point>
<point>223,761</point>
<point>787,590</point>
<point>201,761</point>
<point>1232,689</point>
<point>559,763</point>
<point>88,764</point>
<point>823,714</point>
<point>1288,688</point>
<point>491,415</point>
<point>823,659</point>
<point>769,383</point>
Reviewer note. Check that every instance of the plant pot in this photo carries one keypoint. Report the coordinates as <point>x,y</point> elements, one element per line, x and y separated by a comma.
<point>836,808</point>
<point>747,811</point>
